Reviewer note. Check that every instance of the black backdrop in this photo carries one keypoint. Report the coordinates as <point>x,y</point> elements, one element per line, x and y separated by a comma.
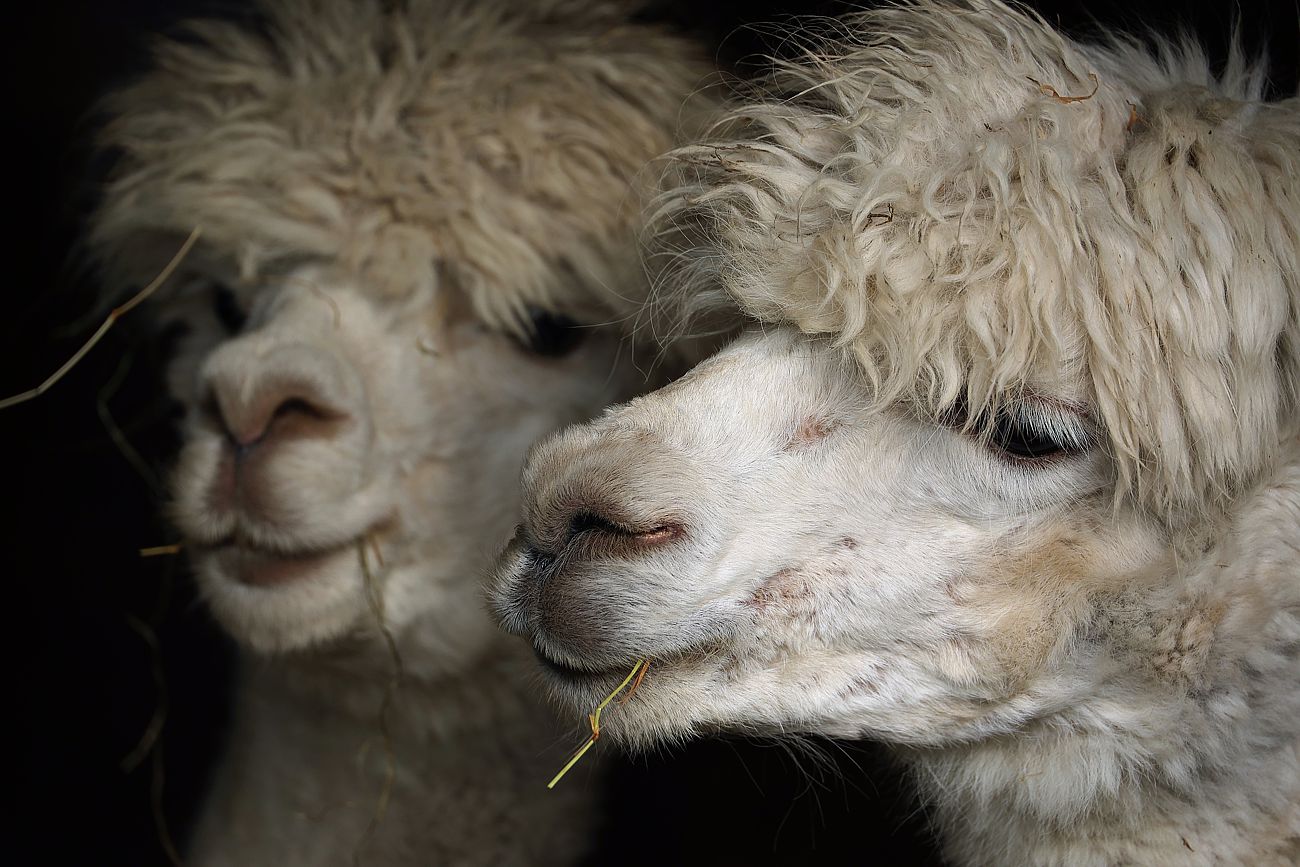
<point>86,684</point>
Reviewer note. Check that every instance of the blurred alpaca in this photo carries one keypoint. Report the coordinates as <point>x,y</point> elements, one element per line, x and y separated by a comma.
<point>414,215</point>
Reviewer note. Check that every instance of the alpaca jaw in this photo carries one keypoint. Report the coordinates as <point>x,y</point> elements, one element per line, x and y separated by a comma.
<point>885,613</point>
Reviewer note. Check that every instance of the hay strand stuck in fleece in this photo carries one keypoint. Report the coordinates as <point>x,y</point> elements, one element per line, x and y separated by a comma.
<point>115,314</point>
<point>374,596</point>
<point>638,672</point>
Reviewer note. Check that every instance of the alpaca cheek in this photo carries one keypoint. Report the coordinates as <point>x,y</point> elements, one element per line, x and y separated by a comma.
<point>807,604</point>
<point>784,591</point>
<point>809,431</point>
<point>1174,645</point>
<point>1022,607</point>
<point>1183,645</point>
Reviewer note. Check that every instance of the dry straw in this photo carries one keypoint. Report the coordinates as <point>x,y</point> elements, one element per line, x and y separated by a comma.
<point>638,672</point>
<point>374,596</point>
<point>161,550</point>
<point>115,314</point>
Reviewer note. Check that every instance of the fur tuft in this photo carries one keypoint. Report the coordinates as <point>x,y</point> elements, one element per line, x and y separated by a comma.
<point>1106,210</point>
<point>415,144</point>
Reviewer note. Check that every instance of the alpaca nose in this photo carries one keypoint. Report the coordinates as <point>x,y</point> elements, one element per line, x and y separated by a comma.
<point>282,412</point>
<point>604,520</point>
<point>289,393</point>
<point>606,492</point>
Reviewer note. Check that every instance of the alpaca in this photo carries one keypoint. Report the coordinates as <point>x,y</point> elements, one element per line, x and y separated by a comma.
<point>413,215</point>
<point>1005,472</point>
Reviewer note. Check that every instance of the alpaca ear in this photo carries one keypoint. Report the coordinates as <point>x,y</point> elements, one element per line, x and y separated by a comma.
<point>1210,271</point>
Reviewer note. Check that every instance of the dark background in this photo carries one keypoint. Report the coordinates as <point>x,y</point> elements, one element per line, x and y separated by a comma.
<point>104,641</point>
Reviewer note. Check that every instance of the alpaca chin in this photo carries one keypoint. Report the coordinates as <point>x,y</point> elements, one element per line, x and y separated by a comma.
<point>322,598</point>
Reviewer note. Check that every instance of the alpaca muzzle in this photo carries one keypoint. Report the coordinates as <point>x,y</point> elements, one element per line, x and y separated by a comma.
<point>290,420</point>
<point>584,577</point>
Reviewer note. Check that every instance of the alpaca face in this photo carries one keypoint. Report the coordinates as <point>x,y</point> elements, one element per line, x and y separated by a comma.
<point>386,191</point>
<point>791,559</point>
<point>329,425</point>
<point>1085,254</point>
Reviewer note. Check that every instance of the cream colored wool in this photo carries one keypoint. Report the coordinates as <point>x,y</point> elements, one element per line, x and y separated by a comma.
<point>918,189</point>
<point>386,190</point>
<point>946,229</point>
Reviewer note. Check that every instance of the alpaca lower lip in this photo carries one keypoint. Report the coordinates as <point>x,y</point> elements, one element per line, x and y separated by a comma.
<point>569,672</point>
<point>264,569</point>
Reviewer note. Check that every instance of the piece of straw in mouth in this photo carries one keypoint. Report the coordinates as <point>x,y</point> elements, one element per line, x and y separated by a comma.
<point>638,672</point>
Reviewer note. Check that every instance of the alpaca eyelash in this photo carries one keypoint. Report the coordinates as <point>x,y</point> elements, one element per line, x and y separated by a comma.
<point>1028,432</point>
<point>552,335</point>
<point>1024,440</point>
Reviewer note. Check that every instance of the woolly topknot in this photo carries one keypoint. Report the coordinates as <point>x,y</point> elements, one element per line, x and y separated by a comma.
<point>974,206</point>
<point>488,144</point>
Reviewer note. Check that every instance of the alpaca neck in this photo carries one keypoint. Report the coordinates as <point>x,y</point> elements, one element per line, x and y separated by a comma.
<point>353,683</point>
<point>1121,781</point>
<point>1172,736</point>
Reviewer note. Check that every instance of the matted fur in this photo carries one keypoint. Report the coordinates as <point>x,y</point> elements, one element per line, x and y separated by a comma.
<point>1097,208</point>
<point>475,142</point>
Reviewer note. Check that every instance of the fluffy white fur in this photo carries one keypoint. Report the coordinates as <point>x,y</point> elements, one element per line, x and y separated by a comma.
<point>386,191</point>
<point>951,228</point>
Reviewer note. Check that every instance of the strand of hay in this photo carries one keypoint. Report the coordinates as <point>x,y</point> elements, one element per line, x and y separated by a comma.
<point>149,737</point>
<point>636,684</point>
<point>1048,90</point>
<point>115,314</point>
<point>374,595</point>
<point>161,550</point>
<point>638,671</point>
<point>150,743</point>
<point>114,430</point>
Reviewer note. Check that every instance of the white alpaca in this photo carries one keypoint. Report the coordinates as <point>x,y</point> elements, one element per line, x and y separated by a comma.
<point>402,206</point>
<point>1010,476</point>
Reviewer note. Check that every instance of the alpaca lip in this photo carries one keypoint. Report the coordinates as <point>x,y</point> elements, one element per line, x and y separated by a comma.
<point>260,568</point>
<point>568,672</point>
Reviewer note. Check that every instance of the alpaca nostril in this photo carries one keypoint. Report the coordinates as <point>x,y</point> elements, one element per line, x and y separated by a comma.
<point>297,406</point>
<point>272,414</point>
<point>588,495</point>
<point>293,417</point>
<point>586,521</point>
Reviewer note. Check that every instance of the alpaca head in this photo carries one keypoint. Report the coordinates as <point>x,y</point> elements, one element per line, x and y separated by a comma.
<point>413,218</point>
<point>1021,375</point>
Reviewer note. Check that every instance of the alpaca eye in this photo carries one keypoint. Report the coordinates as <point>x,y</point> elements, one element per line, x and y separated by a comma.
<point>552,335</point>
<point>169,338</point>
<point>1024,433</point>
<point>1011,435</point>
<point>226,307</point>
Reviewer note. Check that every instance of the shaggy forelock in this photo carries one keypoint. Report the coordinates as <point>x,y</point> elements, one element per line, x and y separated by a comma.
<point>489,143</point>
<point>973,205</point>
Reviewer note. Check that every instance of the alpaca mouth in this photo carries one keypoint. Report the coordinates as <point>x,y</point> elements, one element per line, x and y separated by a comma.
<point>573,673</point>
<point>259,567</point>
<point>580,676</point>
